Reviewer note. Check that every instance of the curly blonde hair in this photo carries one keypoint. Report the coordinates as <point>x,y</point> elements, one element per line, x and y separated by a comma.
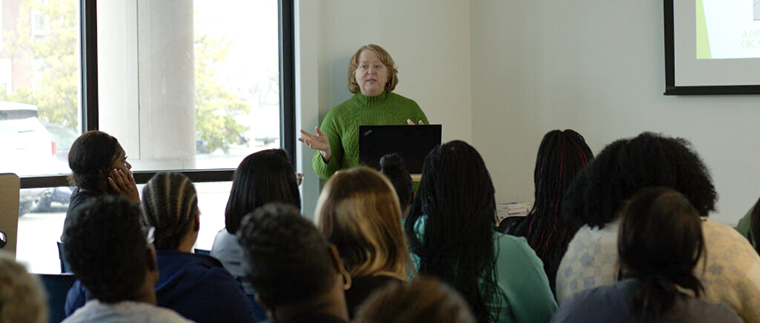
<point>384,57</point>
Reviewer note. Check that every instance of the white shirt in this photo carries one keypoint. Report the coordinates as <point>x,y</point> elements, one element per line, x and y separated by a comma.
<point>126,311</point>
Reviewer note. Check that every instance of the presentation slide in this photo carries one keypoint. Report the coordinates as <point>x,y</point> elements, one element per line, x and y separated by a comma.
<point>728,29</point>
<point>715,44</point>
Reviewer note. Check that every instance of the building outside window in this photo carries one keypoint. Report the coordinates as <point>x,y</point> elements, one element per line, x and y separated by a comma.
<point>185,85</point>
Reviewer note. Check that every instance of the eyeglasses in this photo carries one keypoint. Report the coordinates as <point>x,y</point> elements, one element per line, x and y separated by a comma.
<point>150,234</point>
<point>299,178</point>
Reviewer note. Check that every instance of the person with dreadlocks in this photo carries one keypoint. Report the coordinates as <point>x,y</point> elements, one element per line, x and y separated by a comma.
<point>450,229</point>
<point>561,155</point>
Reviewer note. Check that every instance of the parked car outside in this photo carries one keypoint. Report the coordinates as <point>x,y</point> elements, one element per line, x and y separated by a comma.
<point>27,149</point>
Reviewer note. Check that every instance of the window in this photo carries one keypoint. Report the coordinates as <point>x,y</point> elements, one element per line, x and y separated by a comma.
<point>191,86</point>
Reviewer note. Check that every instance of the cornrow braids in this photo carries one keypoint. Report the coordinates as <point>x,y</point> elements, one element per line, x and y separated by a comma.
<point>561,156</point>
<point>285,258</point>
<point>170,204</point>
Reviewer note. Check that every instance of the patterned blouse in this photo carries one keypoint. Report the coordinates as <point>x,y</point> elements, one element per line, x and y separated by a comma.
<point>730,275</point>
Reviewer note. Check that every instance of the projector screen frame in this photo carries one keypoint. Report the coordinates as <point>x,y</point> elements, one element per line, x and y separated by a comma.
<point>670,86</point>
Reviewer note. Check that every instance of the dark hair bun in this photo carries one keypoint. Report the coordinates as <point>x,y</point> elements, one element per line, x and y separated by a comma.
<point>392,164</point>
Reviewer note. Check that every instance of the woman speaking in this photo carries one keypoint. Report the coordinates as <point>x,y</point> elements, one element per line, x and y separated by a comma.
<point>372,76</point>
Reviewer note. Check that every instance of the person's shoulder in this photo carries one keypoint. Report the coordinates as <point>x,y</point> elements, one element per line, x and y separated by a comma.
<point>143,312</point>
<point>347,105</point>
<point>721,236</point>
<point>701,310</point>
<point>512,244</point>
<point>594,304</point>
<point>402,100</point>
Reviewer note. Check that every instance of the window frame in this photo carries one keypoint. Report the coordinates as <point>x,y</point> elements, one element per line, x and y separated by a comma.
<point>89,69</point>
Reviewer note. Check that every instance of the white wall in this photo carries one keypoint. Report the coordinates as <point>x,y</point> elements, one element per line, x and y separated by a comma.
<point>428,39</point>
<point>596,66</point>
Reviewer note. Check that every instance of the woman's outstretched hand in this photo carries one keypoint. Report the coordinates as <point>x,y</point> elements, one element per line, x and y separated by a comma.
<point>123,183</point>
<point>318,141</point>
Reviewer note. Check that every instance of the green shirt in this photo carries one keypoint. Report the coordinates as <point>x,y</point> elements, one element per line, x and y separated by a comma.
<point>341,126</point>
<point>520,277</point>
<point>745,226</point>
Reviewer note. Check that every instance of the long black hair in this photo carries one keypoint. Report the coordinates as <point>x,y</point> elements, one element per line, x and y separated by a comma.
<point>262,177</point>
<point>455,211</point>
<point>561,155</point>
<point>628,165</point>
<point>660,243</point>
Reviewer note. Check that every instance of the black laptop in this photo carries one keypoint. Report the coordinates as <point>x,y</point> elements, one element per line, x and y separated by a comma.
<point>413,143</point>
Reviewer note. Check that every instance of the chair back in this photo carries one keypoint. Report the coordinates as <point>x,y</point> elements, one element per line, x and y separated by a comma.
<point>64,265</point>
<point>9,197</point>
<point>57,286</point>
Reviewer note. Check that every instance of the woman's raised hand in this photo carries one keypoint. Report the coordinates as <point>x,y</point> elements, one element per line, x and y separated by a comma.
<point>411,123</point>
<point>123,183</point>
<point>318,141</point>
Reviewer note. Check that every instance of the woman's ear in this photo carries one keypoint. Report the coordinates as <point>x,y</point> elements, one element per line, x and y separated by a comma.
<point>197,226</point>
<point>335,256</point>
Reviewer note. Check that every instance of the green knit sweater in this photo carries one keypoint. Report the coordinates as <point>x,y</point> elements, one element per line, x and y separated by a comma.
<point>341,125</point>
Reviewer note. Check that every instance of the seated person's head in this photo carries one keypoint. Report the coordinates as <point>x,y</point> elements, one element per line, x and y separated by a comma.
<point>628,165</point>
<point>105,246</point>
<point>92,157</point>
<point>660,243</point>
<point>561,156</point>
<point>170,204</point>
<point>262,177</point>
<point>22,298</point>
<point>358,212</point>
<point>289,263</point>
<point>394,168</point>
<point>456,199</point>
<point>424,300</point>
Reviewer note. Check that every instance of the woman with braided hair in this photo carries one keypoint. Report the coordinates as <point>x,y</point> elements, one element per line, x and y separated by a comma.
<point>450,229</point>
<point>196,286</point>
<point>561,155</point>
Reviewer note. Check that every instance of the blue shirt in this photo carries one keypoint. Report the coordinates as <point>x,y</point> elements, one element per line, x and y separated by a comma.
<point>195,286</point>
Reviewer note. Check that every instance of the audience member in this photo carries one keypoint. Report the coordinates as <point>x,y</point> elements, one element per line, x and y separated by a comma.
<point>358,212</point>
<point>660,244</point>
<point>394,168</point>
<point>424,300</point>
<point>298,276</point>
<point>262,177</point>
<point>597,196</point>
<point>451,229</point>
<point>22,298</point>
<point>195,286</point>
<point>561,155</point>
<point>749,225</point>
<point>99,167</point>
<point>108,251</point>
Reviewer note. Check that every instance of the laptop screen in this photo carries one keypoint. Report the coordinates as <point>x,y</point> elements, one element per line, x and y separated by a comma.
<point>413,143</point>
